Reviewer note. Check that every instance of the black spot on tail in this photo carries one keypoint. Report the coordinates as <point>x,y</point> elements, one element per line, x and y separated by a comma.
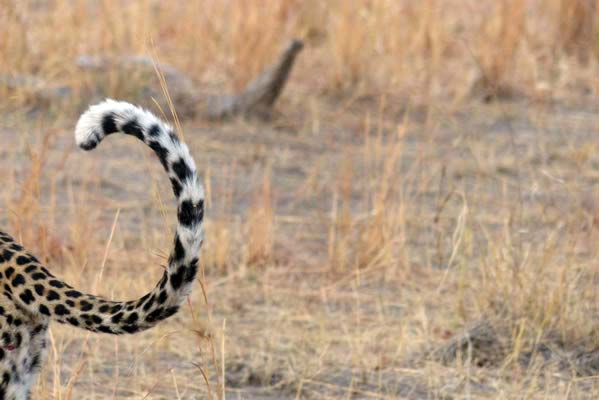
<point>108,124</point>
<point>154,130</point>
<point>7,255</point>
<point>177,277</point>
<point>27,296</point>
<point>105,329</point>
<point>116,308</point>
<point>176,187</point>
<point>189,213</point>
<point>130,328</point>
<point>163,281</point>
<point>37,276</point>
<point>132,128</point>
<point>61,310</point>
<point>92,141</point>
<point>181,169</point>
<point>52,295</point>
<point>19,280</point>
<point>161,313</point>
<point>191,271</point>
<point>148,305</point>
<point>132,318</point>
<point>22,260</point>
<point>39,289</point>
<point>86,306</point>
<point>160,151</point>
<point>89,145</point>
<point>170,311</point>
<point>163,296</point>
<point>73,293</point>
<point>179,252</point>
<point>56,283</point>
<point>116,318</point>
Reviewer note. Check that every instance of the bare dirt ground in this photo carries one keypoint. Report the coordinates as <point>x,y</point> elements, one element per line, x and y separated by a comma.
<point>314,291</point>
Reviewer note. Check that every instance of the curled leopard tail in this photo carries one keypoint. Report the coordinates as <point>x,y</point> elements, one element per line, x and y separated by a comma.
<point>61,302</point>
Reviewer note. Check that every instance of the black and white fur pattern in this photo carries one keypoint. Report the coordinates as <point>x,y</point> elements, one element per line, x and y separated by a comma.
<point>112,116</point>
<point>30,295</point>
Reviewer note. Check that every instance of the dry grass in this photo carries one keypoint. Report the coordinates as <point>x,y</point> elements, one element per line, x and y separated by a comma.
<point>386,210</point>
<point>417,49</point>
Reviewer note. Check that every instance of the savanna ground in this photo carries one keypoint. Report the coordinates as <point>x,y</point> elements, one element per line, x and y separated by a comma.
<point>432,166</point>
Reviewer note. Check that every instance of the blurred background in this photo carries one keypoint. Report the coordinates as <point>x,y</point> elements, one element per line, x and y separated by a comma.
<point>416,216</point>
<point>414,51</point>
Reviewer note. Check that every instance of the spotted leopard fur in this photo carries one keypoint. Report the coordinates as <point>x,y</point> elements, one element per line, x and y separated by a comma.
<point>31,296</point>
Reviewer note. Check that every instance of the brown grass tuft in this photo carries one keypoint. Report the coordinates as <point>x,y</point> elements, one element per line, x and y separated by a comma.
<point>260,225</point>
<point>577,23</point>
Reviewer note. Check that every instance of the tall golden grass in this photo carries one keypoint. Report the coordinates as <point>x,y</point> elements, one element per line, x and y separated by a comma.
<point>346,239</point>
<point>420,49</point>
